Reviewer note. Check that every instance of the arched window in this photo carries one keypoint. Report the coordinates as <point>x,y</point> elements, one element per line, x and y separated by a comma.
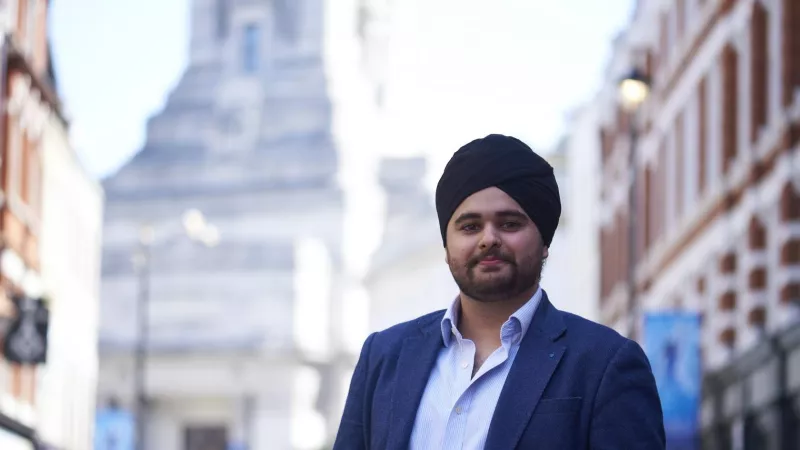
<point>790,203</point>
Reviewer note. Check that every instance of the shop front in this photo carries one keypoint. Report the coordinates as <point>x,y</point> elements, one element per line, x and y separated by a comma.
<point>754,402</point>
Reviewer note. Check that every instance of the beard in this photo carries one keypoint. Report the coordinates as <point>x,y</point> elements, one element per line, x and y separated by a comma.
<point>494,284</point>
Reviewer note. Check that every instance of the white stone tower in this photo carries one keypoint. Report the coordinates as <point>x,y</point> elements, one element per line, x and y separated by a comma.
<point>242,338</point>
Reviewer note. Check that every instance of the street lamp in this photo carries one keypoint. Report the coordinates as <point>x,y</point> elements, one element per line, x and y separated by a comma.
<point>197,229</point>
<point>633,91</point>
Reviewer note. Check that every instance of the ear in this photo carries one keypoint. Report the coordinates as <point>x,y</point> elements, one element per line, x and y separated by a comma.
<point>545,252</point>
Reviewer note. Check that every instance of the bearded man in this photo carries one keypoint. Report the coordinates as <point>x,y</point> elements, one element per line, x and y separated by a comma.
<point>502,368</point>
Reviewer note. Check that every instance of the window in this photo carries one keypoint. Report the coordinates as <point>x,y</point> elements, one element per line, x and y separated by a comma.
<point>679,187</point>
<point>287,18</point>
<point>702,138</point>
<point>250,48</point>
<point>759,67</point>
<point>730,84</point>
<point>205,438</point>
<point>222,19</point>
<point>670,182</point>
<point>691,131</point>
<point>714,128</point>
<point>791,46</point>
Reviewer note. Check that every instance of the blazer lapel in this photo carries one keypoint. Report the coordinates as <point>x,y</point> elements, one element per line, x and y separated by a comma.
<point>537,359</point>
<point>417,358</point>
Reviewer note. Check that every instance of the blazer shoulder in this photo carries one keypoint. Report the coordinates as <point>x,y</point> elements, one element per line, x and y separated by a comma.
<point>398,333</point>
<point>586,333</point>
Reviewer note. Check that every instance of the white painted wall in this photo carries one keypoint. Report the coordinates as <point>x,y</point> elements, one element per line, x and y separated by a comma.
<point>582,180</point>
<point>70,268</point>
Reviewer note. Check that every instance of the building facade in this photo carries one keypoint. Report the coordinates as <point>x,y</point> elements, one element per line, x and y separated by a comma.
<point>717,204</point>
<point>72,207</point>
<point>240,340</point>
<point>408,275</point>
<point>30,107</point>
<point>580,179</point>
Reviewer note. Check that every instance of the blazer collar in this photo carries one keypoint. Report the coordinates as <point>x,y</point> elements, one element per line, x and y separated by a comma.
<point>537,359</point>
<point>539,355</point>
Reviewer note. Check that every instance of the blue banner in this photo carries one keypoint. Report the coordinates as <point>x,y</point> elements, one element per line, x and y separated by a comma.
<point>672,344</point>
<point>114,430</point>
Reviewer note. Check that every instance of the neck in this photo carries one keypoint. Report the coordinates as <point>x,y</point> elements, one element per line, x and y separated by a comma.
<point>480,320</point>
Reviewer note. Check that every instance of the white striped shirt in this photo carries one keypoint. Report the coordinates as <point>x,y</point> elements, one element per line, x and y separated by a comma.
<point>456,409</point>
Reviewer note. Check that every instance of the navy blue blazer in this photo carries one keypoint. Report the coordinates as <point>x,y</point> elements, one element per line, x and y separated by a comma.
<point>574,384</point>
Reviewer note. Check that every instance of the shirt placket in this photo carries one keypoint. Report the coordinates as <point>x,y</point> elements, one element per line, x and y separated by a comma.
<point>459,413</point>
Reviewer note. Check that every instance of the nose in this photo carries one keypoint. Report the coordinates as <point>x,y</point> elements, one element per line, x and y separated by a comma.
<point>490,238</point>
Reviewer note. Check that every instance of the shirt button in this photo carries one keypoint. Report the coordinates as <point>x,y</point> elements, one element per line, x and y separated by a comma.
<point>458,410</point>
<point>464,364</point>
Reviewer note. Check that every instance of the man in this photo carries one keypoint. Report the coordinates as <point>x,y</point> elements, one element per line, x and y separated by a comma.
<point>502,368</point>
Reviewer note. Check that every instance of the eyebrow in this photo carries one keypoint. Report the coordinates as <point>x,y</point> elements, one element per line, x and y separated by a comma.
<point>512,213</point>
<point>505,213</point>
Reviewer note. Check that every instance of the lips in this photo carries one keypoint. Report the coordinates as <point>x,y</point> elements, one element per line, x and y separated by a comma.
<point>492,258</point>
<point>491,261</point>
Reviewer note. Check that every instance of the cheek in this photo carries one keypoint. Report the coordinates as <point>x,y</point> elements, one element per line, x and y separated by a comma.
<point>457,255</point>
<point>526,247</point>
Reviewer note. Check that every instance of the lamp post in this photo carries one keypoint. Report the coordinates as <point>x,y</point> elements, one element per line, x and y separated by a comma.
<point>195,228</point>
<point>633,91</point>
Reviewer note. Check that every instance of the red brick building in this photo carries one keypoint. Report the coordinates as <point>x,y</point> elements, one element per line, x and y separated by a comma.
<point>718,200</point>
<point>28,101</point>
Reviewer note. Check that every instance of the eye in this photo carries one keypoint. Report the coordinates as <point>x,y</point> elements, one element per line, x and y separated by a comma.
<point>469,227</point>
<point>511,225</point>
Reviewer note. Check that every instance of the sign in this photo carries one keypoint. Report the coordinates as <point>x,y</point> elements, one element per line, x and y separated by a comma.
<point>25,342</point>
<point>114,430</point>
<point>672,344</point>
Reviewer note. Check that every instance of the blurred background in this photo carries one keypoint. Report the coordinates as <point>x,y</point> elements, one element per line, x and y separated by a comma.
<point>207,205</point>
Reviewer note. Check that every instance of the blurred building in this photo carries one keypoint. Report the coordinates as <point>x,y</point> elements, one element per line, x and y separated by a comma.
<point>48,206</point>
<point>717,221</point>
<point>408,275</point>
<point>71,227</point>
<point>229,337</point>
<point>564,277</point>
<point>579,184</point>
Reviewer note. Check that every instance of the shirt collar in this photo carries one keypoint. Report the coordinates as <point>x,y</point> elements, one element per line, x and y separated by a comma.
<point>523,316</point>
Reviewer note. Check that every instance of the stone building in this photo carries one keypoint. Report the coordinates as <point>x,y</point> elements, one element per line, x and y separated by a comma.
<point>408,276</point>
<point>242,347</point>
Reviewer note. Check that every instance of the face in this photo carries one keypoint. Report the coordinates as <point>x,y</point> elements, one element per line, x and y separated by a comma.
<point>494,250</point>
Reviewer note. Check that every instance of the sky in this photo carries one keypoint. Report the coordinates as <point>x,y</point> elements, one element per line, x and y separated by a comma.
<point>115,62</point>
<point>466,67</point>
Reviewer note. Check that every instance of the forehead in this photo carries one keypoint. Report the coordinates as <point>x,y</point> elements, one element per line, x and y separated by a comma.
<point>488,202</point>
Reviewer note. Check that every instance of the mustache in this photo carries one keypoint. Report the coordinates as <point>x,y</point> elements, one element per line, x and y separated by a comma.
<point>474,261</point>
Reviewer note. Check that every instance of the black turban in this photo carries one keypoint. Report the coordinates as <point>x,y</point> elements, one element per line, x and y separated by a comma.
<point>508,164</point>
